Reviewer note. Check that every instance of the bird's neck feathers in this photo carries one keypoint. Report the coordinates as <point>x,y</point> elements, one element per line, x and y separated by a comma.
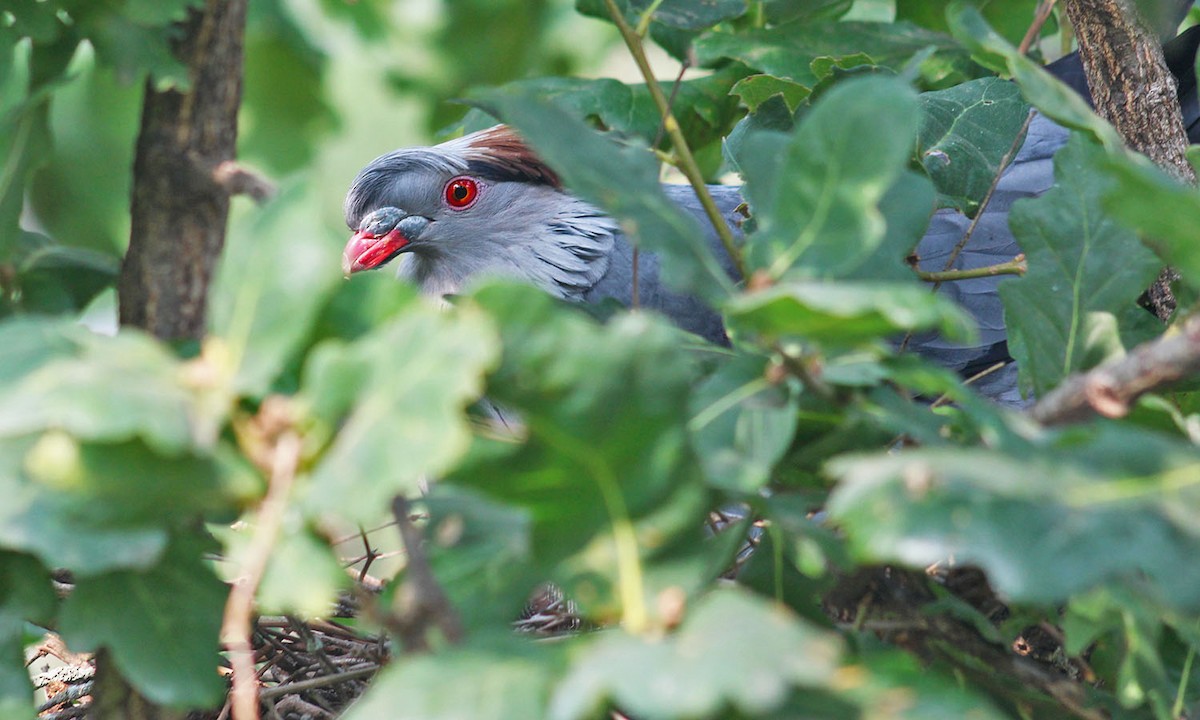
<point>549,238</point>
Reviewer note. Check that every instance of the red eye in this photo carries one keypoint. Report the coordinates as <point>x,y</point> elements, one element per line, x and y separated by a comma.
<point>461,192</point>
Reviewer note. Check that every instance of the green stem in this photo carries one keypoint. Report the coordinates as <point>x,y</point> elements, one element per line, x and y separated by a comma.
<point>1177,708</point>
<point>1016,266</point>
<point>686,161</point>
<point>630,580</point>
<point>647,17</point>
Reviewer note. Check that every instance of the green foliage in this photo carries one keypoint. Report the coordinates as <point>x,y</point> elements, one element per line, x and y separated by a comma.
<point>966,132</point>
<point>160,624</point>
<point>1066,313</point>
<point>539,444</point>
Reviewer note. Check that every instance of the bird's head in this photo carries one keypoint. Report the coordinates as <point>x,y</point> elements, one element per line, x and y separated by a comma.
<point>481,203</point>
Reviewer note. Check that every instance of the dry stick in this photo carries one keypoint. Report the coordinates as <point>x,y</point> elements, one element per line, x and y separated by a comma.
<point>687,163</point>
<point>315,683</point>
<point>1035,28</point>
<point>239,609</point>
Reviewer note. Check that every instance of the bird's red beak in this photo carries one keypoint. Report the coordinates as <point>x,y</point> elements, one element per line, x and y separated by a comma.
<point>366,251</point>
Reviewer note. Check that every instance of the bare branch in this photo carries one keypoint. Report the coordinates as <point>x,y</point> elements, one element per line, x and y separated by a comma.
<point>1111,389</point>
<point>237,179</point>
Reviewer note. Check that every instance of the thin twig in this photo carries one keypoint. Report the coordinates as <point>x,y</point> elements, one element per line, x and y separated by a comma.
<point>239,608</point>
<point>635,293</point>
<point>1016,266</point>
<point>686,161</point>
<point>1035,28</point>
<point>987,198</point>
<point>944,398</point>
<point>317,682</point>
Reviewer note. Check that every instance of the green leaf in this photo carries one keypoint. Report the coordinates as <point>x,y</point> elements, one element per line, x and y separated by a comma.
<point>1106,504</point>
<point>755,90</point>
<point>703,668</point>
<point>481,553</point>
<point>845,314</point>
<point>741,424</point>
<point>96,478</point>
<point>702,106</point>
<point>1045,92</point>
<point>397,398</point>
<point>1085,270</point>
<point>692,14</point>
<point>818,212</point>
<point>135,48</point>
<point>965,133</point>
<point>302,575</point>
<point>787,51</point>
<point>26,595</point>
<point>783,11</point>
<point>81,189</point>
<point>601,462</point>
<point>62,376</point>
<point>161,624</point>
<point>59,279</point>
<point>906,207</point>
<point>927,695</point>
<point>622,181</point>
<point>473,683</point>
<point>1136,195</point>
<point>62,532</point>
<point>271,282</point>
<point>1010,17</point>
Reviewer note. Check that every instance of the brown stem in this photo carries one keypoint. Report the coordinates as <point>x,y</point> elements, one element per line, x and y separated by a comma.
<point>1035,28</point>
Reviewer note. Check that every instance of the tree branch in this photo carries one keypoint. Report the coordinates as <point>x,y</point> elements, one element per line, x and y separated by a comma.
<point>1111,389</point>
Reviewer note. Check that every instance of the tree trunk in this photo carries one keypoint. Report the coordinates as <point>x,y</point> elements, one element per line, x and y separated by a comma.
<point>179,208</point>
<point>1133,89</point>
<point>1130,83</point>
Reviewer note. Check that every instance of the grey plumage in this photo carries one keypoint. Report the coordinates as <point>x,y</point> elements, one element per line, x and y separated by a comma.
<point>524,225</point>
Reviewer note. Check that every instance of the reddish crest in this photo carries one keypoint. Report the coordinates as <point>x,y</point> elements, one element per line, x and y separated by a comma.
<point>461,193</point>
<point>503,150</point>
